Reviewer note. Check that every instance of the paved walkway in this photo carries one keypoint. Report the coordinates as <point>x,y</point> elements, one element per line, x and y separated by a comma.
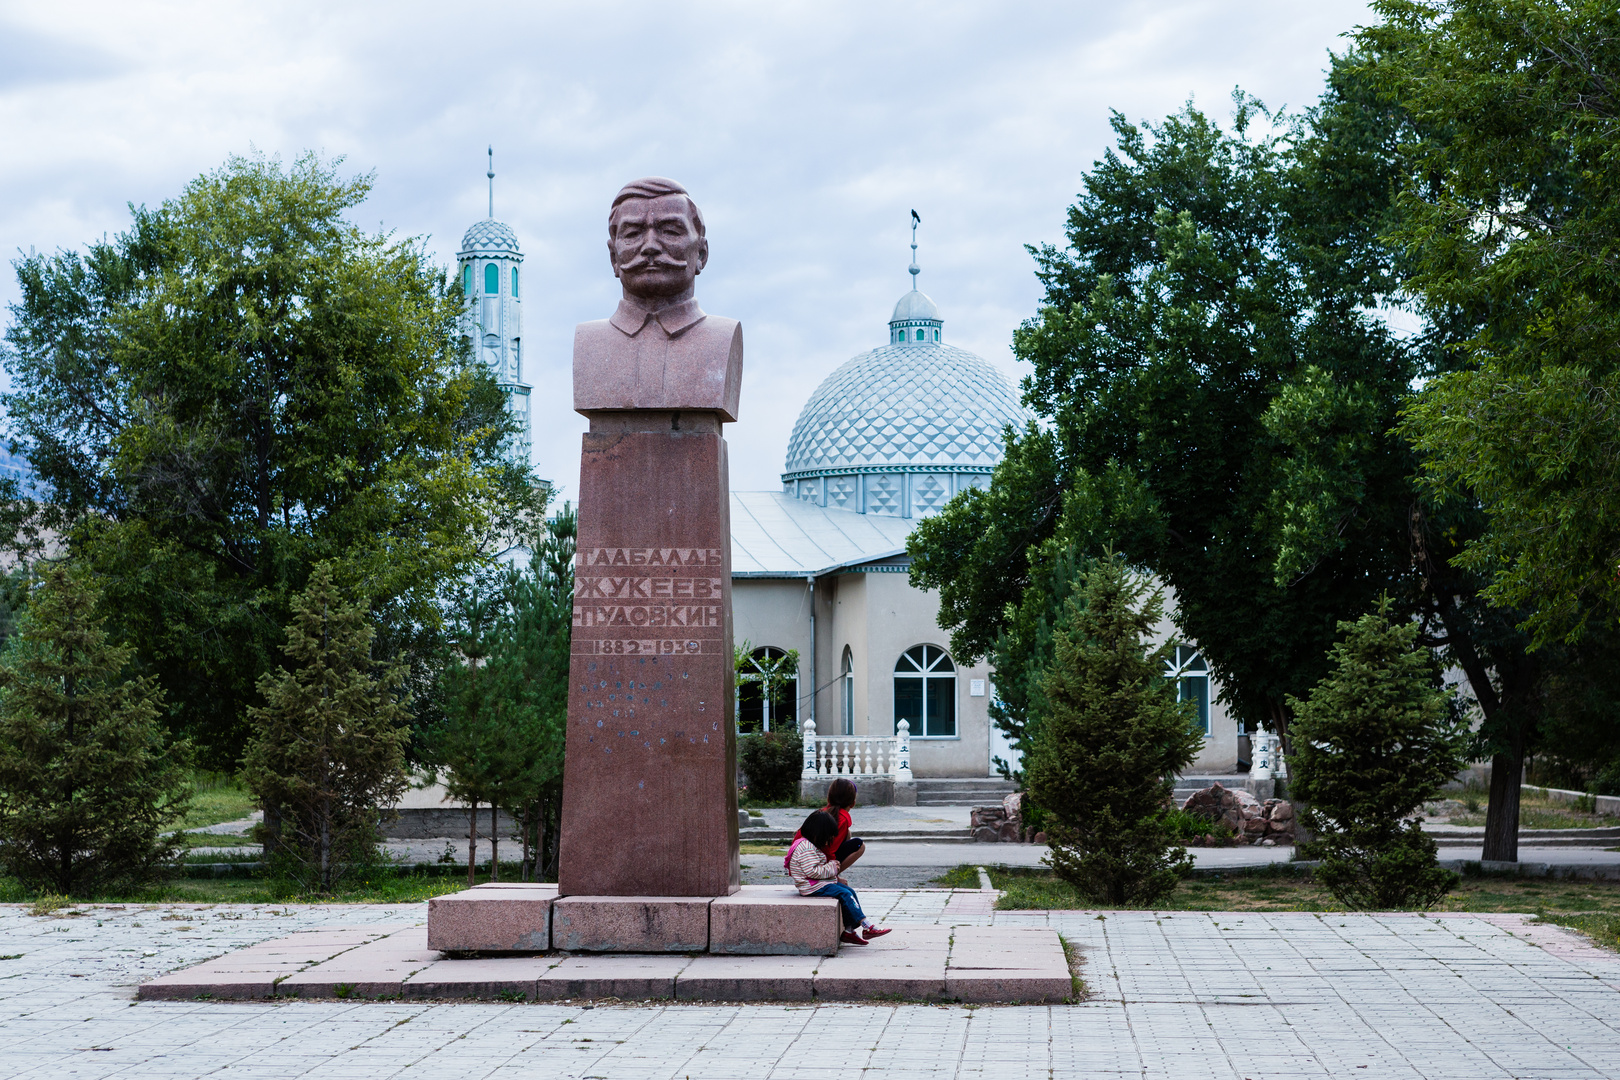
<point>1182,996</point>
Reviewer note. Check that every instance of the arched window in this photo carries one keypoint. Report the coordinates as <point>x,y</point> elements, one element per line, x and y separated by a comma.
<point>925,692</point>
<point>767,692</point>
<point>1191,676</point>
<point>492,278</point>
<point>848,681</point>
<point>466,280</point>
<point>936,335</point>
<point>514,283</point>
<point>919,335</point>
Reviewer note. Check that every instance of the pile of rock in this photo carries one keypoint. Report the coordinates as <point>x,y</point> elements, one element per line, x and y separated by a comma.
<point>1003,824</point>
<point>1249,820</point>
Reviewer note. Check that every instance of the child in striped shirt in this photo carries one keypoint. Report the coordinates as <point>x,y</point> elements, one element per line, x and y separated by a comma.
<point>817,875</point>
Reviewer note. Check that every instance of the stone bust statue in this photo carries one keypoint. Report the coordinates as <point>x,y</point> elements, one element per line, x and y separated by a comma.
<point>659,350</point>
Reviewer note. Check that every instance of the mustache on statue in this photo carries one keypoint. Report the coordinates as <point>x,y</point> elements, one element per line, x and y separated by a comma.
<point>654,264</point>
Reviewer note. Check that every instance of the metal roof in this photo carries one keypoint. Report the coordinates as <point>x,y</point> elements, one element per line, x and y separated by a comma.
<point>915,306</point>
<point>776,535</point>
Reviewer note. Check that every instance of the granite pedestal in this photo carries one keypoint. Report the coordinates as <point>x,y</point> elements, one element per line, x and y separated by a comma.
<point>651,743</point>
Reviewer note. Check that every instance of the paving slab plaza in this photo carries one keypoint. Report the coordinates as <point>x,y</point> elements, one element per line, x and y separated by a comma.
<point>1176,995</point>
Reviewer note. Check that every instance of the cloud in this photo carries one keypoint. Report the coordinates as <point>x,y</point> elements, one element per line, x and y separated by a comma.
<point>806,131</point>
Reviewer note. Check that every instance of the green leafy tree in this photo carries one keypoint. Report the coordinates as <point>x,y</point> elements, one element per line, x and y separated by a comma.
<point>1224,406</point>
<point>1376,739</point>
<point>241,386</point>
<point>1351,467</point>
<point>327,755</point>
<point>1510,208</point>
<point>1178,312</point>
<point>88,781</point>
<point>1112,740</point>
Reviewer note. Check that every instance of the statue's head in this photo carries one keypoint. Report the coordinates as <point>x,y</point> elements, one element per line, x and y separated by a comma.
<point>656,238</point>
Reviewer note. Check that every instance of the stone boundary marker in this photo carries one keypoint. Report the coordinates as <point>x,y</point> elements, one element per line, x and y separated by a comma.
<point>1013,965</point>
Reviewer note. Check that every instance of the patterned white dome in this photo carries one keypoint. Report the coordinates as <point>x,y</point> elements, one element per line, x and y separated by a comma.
<point>489,237</point>
<point>901,429</point>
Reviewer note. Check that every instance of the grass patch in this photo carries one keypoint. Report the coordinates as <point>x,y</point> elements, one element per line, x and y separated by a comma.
<point>762,849</point>
<point>1537,818</point>
<point>215,840</point>
<point>745,803</point>
<point>1536,811</point>
<point>961,877</point>
<point>380,887</point>
<point>217,797</point>
<point>1284,887</point>
<point>1603,928</point>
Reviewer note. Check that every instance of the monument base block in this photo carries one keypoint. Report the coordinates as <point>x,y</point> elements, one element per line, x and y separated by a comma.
<point>758,920</point>
<point>631,924</point>
<point>765,920</point>
<point>492,918</point>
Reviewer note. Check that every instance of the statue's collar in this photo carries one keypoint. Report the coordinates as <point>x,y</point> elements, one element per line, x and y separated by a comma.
<point>631,317</point>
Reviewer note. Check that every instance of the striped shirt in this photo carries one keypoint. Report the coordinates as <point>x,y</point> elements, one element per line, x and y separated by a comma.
<point>809,867</point>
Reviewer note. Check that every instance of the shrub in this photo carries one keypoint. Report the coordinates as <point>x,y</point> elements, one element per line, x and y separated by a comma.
<point>772,763</point>
<point>1374,741</point>
<point>1112,738</point>
<point>88,782</point>
<point>1197,829</point>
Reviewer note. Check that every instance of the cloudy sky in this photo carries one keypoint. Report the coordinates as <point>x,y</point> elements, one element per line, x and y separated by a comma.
<point>806,131</point>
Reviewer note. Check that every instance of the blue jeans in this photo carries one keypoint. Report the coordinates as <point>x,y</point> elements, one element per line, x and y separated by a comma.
<point>847,900</point>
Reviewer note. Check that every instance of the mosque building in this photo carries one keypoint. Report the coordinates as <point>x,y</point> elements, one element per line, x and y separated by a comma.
<point>820,566</point>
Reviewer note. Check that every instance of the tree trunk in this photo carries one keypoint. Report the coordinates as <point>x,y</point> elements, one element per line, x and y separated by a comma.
<point>526,822</point>
<point>1502,813</point>
<point>472,844</point>
<point>494,844</point>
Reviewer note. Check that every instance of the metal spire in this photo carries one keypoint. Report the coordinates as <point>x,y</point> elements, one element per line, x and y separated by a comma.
<point>915,269</point>
<point>492,181</point>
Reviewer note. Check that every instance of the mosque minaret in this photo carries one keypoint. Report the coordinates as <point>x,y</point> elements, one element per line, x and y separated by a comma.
<point>489,264</point>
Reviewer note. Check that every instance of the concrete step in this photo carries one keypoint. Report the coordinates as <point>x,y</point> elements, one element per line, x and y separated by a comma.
<point>951,783</point>
<point>962,798</point>
<point>963,790</point>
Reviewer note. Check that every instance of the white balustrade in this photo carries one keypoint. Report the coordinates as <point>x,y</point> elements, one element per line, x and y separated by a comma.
<point>846,755</point>
<point>856,755</point>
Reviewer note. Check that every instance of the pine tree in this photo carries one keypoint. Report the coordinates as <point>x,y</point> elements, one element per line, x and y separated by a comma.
<point>88,781</point>
<point>327,750</point>
<point>1110,744</point>
<point>1373,742</point>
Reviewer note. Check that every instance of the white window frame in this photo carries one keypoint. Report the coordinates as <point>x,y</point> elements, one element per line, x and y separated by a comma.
<point>768,705</point>
<point>929,670</point>
<point>1184,664</point>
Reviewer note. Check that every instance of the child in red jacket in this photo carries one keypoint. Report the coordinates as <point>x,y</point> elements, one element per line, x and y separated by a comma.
<point>843,848</point>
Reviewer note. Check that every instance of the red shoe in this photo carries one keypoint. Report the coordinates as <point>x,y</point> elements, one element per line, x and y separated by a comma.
<point>872,932</point>
<point>850,937</point>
